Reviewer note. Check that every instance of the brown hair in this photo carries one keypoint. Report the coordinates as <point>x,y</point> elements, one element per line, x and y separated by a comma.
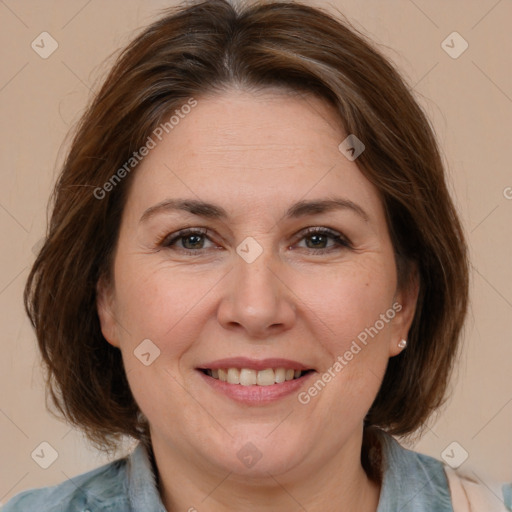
<point>204,48</point>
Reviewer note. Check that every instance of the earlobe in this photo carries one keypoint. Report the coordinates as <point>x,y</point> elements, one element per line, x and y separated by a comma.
<point>407,298</point>
<point>105,309</point>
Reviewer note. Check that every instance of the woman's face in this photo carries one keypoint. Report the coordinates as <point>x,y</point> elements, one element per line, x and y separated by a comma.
<point>253,288</point>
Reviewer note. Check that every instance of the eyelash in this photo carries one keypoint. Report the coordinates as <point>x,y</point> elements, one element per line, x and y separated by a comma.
<point>169,241</point>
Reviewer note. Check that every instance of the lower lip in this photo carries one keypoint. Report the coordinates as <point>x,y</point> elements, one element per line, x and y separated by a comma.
<point>256,395</point>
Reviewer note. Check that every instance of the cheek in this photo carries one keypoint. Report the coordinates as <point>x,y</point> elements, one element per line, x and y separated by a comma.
<point>355,336</point>
<point>346,303</point>
<point>162,304</point>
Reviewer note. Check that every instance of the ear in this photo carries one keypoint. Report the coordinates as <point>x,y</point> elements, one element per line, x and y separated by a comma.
<point>105,306</point>
<point>404,304</point>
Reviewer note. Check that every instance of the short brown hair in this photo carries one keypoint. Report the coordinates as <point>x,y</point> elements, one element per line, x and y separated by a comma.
<point>203,48</point>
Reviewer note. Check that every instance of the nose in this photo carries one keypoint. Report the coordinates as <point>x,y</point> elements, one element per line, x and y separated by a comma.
<point>256,299</point>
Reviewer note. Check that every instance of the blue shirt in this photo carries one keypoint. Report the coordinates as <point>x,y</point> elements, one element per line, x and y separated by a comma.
<point>411,482</point>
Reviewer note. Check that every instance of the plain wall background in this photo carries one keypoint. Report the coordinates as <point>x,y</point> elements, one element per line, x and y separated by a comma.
<point>468,99</point>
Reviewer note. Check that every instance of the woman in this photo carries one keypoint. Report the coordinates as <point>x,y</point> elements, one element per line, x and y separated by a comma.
<point>254,268</point>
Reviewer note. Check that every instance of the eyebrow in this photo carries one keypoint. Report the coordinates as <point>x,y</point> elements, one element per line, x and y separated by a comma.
<point>213,211</point>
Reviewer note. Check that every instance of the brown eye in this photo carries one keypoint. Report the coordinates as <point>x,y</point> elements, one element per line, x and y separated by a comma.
<point>188,240</point>
<point>317,241</point>
<point>192,241</point>
<point>324,240</point>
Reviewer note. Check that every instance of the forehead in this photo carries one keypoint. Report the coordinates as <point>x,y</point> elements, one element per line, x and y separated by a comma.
<point>267,148</point>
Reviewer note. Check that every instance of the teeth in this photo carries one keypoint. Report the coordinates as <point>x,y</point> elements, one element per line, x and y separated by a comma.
<point>280,375</point>
<point>248,377</point>
<point>233,376</point>
<point>266,377</point>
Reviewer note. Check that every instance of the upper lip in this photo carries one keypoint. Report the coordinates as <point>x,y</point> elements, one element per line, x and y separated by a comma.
<point>254,364</point>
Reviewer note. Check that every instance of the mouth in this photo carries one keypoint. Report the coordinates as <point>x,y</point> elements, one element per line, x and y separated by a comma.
<point>255,382</point>
<point>251,377</point>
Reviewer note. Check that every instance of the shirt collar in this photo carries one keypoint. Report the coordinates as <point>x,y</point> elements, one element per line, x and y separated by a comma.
<point>411,481</point>
<point>141,482</point>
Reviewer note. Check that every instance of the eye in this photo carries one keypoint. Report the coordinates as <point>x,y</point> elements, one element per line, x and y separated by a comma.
<point>187,240</point>
<point>317,240</point>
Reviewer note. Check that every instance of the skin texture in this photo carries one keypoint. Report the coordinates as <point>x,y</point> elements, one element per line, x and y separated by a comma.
<point>255,154</point>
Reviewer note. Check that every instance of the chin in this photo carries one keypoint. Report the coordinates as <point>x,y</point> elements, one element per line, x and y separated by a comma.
<point>256,455</point>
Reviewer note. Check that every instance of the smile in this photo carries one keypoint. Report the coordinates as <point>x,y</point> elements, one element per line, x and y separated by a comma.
<point>251,377</point>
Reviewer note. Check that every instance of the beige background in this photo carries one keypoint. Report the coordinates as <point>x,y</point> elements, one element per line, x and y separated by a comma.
<point>469,100</point>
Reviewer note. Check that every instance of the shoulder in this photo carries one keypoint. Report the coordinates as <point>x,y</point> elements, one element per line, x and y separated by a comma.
<point>412,480</point>
<point>470,493</point>
<point>101,489</point>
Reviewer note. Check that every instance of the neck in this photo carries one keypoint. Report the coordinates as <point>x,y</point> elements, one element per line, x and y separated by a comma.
<point>339,483</point>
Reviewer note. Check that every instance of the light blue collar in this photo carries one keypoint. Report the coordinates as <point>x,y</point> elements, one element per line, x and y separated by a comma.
<point>411,481</point>
<point>141,481</point>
